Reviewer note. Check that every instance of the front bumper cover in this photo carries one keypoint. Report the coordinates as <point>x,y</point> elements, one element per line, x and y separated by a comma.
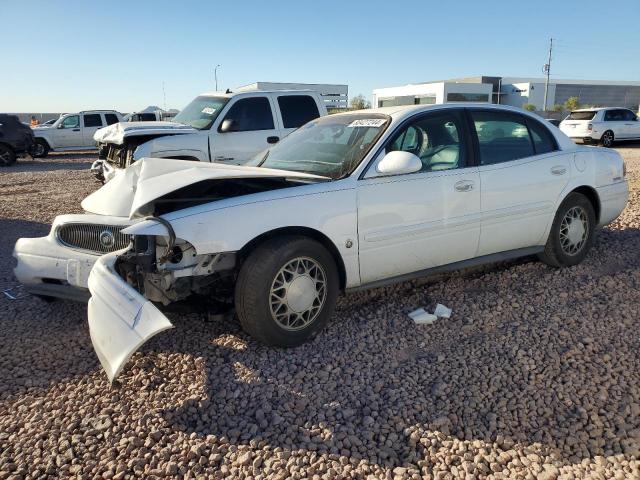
<point>121,320</point>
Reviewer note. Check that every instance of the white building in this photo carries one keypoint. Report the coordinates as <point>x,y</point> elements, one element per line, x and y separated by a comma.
<point>515,91</point>
<point>431,93</point>
<point>334,95</point>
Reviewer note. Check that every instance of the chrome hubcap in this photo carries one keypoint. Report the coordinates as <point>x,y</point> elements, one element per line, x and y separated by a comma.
<point>5,156</point>
<point>38,149</point>
<point>573,230</point>
<point>298,293</point>
<point>607,139</point>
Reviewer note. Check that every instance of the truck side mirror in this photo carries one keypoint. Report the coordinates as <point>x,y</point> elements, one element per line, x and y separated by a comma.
<point>228,125</point>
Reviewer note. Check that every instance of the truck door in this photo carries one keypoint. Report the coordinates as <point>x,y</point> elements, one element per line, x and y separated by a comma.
<point>92,122</point>
<point>248,127</point>
<point>68,133</point>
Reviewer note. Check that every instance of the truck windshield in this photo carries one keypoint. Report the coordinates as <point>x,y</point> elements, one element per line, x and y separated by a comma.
<point>331,146</point>
<point>201,112</point>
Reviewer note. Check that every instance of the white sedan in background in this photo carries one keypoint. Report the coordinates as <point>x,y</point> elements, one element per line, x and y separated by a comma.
<point>348,201</point>
<point>601,125</point>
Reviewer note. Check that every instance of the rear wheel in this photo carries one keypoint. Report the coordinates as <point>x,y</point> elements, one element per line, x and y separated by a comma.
<point>40,148</point>
<point>7,156</point>
<point>607,139</point>
<point>572,232</point>
<point>286,291</point>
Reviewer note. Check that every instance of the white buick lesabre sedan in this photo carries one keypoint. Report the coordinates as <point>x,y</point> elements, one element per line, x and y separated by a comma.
<point>347,201</point>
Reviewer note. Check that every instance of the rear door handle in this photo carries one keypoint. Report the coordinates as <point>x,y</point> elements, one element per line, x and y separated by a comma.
<point>273,140</point>
<point>558,170</point>
<point>463,186</point>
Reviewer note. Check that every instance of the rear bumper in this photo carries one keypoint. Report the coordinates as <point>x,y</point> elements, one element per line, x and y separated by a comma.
<point>613,200</point>
<point>120,319</point>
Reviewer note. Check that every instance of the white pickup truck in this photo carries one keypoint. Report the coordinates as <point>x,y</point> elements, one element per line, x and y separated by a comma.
<point>72,131</point>
<point>229,128</point>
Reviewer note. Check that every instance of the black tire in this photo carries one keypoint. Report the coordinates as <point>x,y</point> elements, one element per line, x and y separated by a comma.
<point>261,270</point>
<point>607,139</point>
<point>40,148</point>
<point>558,252</point>
<point>46,298</point>
<point>7,155</point>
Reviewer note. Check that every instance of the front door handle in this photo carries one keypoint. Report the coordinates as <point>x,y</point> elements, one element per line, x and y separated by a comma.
<point>273,140</point>
<point>558,170</point>
<point>463,186</point>
<point>221,158</point>
<point>76,130</point>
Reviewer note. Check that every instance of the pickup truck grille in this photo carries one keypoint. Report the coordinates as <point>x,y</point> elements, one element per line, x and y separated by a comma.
<point>92,237</point>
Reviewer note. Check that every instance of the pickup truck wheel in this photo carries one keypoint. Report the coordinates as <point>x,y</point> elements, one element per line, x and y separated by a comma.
<point>7,156</point>
<point>571,233</point>
<point>40,148</point>
<point>286,291</point>
<point>607,139</point>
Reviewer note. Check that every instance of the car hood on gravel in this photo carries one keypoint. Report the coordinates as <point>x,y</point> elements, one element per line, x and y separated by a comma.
<point>117,132</point>
<point>151,178</point>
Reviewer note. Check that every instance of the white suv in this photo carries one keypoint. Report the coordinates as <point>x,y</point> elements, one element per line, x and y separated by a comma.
<point>601,125</point>
<point>72,131</point>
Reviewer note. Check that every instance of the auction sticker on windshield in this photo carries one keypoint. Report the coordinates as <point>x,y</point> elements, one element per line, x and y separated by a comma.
<point>368,122</point>
<point>209,110</point>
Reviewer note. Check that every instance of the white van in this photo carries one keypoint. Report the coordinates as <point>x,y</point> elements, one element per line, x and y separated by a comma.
<point>220,127</point>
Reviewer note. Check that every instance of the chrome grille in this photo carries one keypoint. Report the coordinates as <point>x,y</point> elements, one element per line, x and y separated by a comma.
<point>92,237</point>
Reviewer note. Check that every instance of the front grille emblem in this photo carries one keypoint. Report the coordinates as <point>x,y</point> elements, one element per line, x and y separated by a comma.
<point>107,239</point>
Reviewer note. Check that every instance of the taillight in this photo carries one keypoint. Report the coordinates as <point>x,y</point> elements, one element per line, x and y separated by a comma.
<point>590,127</point>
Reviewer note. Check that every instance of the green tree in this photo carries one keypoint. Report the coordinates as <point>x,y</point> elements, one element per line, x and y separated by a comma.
<point>359,102</point>
<point>572,103</point>
<point>530,107</point>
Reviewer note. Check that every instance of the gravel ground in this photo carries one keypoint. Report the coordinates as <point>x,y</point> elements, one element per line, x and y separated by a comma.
<point>536,375</point>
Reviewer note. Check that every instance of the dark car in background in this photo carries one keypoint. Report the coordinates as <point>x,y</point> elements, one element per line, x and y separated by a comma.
<point>16,139</point>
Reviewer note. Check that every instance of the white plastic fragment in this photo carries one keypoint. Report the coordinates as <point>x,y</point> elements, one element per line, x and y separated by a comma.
<point>422,317</point>
<point>442,311</point>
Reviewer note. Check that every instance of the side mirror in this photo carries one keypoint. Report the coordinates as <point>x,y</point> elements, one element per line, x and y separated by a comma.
<point>228,125</point>
<point>61,125</point>
<point>399,163</point>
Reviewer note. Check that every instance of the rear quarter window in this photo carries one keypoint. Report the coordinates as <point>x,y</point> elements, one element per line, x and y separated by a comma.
<point>110,118</point>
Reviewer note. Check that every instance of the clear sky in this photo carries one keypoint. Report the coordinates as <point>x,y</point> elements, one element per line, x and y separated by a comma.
<point>62,56</point>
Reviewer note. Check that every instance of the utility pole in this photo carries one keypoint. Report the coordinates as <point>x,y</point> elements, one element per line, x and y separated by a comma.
<point>547,70</point>
<point>164,97</point>
<point>215,73</point>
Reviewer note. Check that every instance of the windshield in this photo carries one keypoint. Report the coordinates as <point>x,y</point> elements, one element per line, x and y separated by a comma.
<point>331,146</point>
<point>201,112</point>
<point>581,115</point>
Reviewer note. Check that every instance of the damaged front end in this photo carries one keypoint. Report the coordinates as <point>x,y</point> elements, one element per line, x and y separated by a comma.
<point>128,286</point>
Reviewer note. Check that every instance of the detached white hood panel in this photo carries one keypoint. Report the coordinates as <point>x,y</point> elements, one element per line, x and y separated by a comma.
<point>151,178</point>
<point>117,132</point>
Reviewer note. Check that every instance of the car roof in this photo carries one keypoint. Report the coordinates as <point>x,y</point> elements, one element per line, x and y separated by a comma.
<point>239,92</point>
<point>402,111</point>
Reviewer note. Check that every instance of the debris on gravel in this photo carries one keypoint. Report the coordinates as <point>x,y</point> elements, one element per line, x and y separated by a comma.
<point>535,375</point>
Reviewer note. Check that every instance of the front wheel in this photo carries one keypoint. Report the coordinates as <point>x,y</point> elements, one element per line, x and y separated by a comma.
<point>607,139</point>
<point>571,233</point>
<point>40,148</point>
<point>7,156</point>
<point>286,291</point>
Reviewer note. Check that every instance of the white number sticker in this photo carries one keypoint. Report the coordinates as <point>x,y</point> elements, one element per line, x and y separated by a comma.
<point>368,122</point>
<point>209,110</point>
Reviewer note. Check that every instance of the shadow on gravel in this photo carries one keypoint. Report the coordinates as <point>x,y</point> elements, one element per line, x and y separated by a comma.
<point>539,376</point>
<point>54,161</point>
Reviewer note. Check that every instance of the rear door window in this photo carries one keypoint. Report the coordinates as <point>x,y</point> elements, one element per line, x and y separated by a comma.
<point>92,120</point>
<point>543,140</point>
<point>581,115</point>
<point>502,136</point>
<point>297,110</point>
<point>614,116</point>
<point>250,114</point>
<point>111,118</point>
